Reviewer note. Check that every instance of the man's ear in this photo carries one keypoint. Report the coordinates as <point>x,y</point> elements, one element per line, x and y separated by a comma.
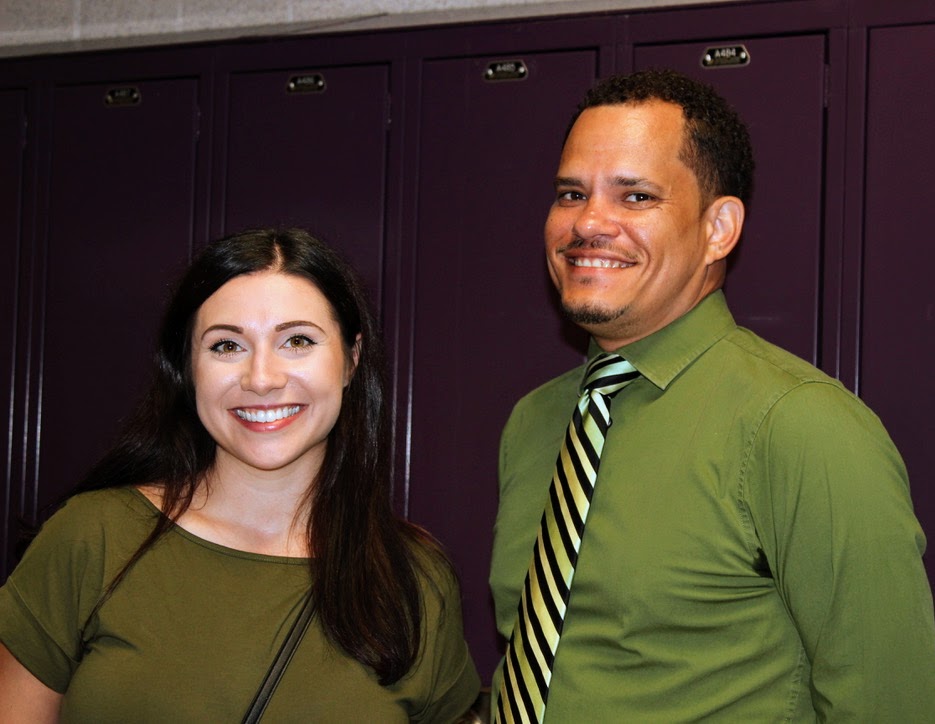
<point>723,221</point>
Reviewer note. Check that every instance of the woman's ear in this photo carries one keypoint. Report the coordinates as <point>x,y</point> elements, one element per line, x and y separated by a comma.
<point>723,224</point>
<point>352,361</point>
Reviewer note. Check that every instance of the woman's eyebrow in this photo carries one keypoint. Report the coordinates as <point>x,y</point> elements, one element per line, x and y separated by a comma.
<point>296,323</point>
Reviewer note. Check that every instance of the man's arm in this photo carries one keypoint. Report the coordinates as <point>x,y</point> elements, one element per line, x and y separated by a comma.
<point>23,698</point>
<point>830,500</point>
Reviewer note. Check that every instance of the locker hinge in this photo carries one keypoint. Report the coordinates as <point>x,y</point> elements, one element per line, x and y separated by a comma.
<point>826,95</point>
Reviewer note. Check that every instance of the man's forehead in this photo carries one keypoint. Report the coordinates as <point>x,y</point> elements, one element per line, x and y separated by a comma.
<point>657,116</point>
<point>648,131</point>
<point>628,145</point>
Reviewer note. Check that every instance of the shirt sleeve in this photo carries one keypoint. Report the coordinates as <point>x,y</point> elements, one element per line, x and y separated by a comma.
<point>829,497</point>
<point>445,665</point>
<point>46,600</point>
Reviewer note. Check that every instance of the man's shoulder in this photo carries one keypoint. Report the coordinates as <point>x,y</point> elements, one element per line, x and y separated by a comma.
<point>546,407</point>
<point>773,361</point>
<point>783,386</point>
<point>562,385</point>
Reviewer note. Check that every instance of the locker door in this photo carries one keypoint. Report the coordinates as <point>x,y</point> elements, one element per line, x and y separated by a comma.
<point>308,148</point>
<point>487,325</point>
<point>773,283</point>
<point>12,136</point>
<point>897,342</point>
<point>119,227</point>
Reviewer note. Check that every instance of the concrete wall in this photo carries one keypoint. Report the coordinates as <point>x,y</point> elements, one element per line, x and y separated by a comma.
<point>30,27</point>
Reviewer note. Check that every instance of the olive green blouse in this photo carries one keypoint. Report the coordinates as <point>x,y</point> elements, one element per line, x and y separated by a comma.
<point>191,631</point>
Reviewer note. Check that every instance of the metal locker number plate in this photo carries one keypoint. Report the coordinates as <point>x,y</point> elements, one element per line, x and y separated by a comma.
<point>309,83</point>
<point>725,56</point>
<point>124,96</point>
<point>506,70</point>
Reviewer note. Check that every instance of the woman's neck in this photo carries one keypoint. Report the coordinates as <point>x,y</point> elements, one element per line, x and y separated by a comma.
<point>255,511</point>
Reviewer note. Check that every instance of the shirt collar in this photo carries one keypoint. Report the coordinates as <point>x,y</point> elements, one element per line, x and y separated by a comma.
<point>663,355</point>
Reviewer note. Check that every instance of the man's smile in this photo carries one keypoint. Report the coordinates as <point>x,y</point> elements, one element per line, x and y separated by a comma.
<point>598,263</point>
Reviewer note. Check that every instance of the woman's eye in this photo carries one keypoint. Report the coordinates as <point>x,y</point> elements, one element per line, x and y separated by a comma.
<point>298,341</point>
<point>225,347</point>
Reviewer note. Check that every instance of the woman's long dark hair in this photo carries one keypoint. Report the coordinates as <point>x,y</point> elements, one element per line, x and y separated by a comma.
<point>364,568</point>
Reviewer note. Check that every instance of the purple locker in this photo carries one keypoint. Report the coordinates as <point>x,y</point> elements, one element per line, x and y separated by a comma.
<point>773,285</point>
<point>12,142</point>
<point>308,148</point>
<point>119,226</point>
<point>487,325</point>
<point>897,332</point>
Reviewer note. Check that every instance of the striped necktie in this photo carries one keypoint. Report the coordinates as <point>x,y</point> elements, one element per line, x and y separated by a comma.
<point>527,668</point>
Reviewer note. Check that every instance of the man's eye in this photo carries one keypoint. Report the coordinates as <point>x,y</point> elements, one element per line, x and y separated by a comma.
<point>638,197</point>
<point>225,347</point>
<point>298,341</point>
<point>571,196</point>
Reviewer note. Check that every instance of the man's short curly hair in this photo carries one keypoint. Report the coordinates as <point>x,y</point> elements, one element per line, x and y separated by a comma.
<point>717,144</point>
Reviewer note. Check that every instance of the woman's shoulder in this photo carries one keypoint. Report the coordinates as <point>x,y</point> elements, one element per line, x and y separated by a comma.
<point>100,513</point>
<point>83,544</point>
<point>112,501</point>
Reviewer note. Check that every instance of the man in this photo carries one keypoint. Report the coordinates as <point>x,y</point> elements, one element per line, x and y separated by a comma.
<point>749,553</point>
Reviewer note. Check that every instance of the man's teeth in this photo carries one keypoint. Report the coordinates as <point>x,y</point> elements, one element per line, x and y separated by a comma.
<point>599,263</point>
<point>267,415</point>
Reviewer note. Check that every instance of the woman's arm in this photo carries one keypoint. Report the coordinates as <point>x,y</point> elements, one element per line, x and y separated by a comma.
<point>23,698</point>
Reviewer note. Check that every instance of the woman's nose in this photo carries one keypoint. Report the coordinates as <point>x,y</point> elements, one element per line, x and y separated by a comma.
<point>264,373</point>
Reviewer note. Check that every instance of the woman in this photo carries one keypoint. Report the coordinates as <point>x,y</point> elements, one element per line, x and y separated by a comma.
<point>254,475</point>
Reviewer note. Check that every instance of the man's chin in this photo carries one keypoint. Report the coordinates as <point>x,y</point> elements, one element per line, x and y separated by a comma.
<point>590,316</point>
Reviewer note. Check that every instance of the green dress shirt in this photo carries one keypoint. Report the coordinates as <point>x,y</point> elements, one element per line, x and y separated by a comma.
<point>190,632</point>
<point>751,553</point>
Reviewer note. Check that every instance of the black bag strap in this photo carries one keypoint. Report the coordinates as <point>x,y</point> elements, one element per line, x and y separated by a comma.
<point>276,669</point>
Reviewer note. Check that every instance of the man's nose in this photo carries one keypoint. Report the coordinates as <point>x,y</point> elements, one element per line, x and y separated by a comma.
<point>595,219</point>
